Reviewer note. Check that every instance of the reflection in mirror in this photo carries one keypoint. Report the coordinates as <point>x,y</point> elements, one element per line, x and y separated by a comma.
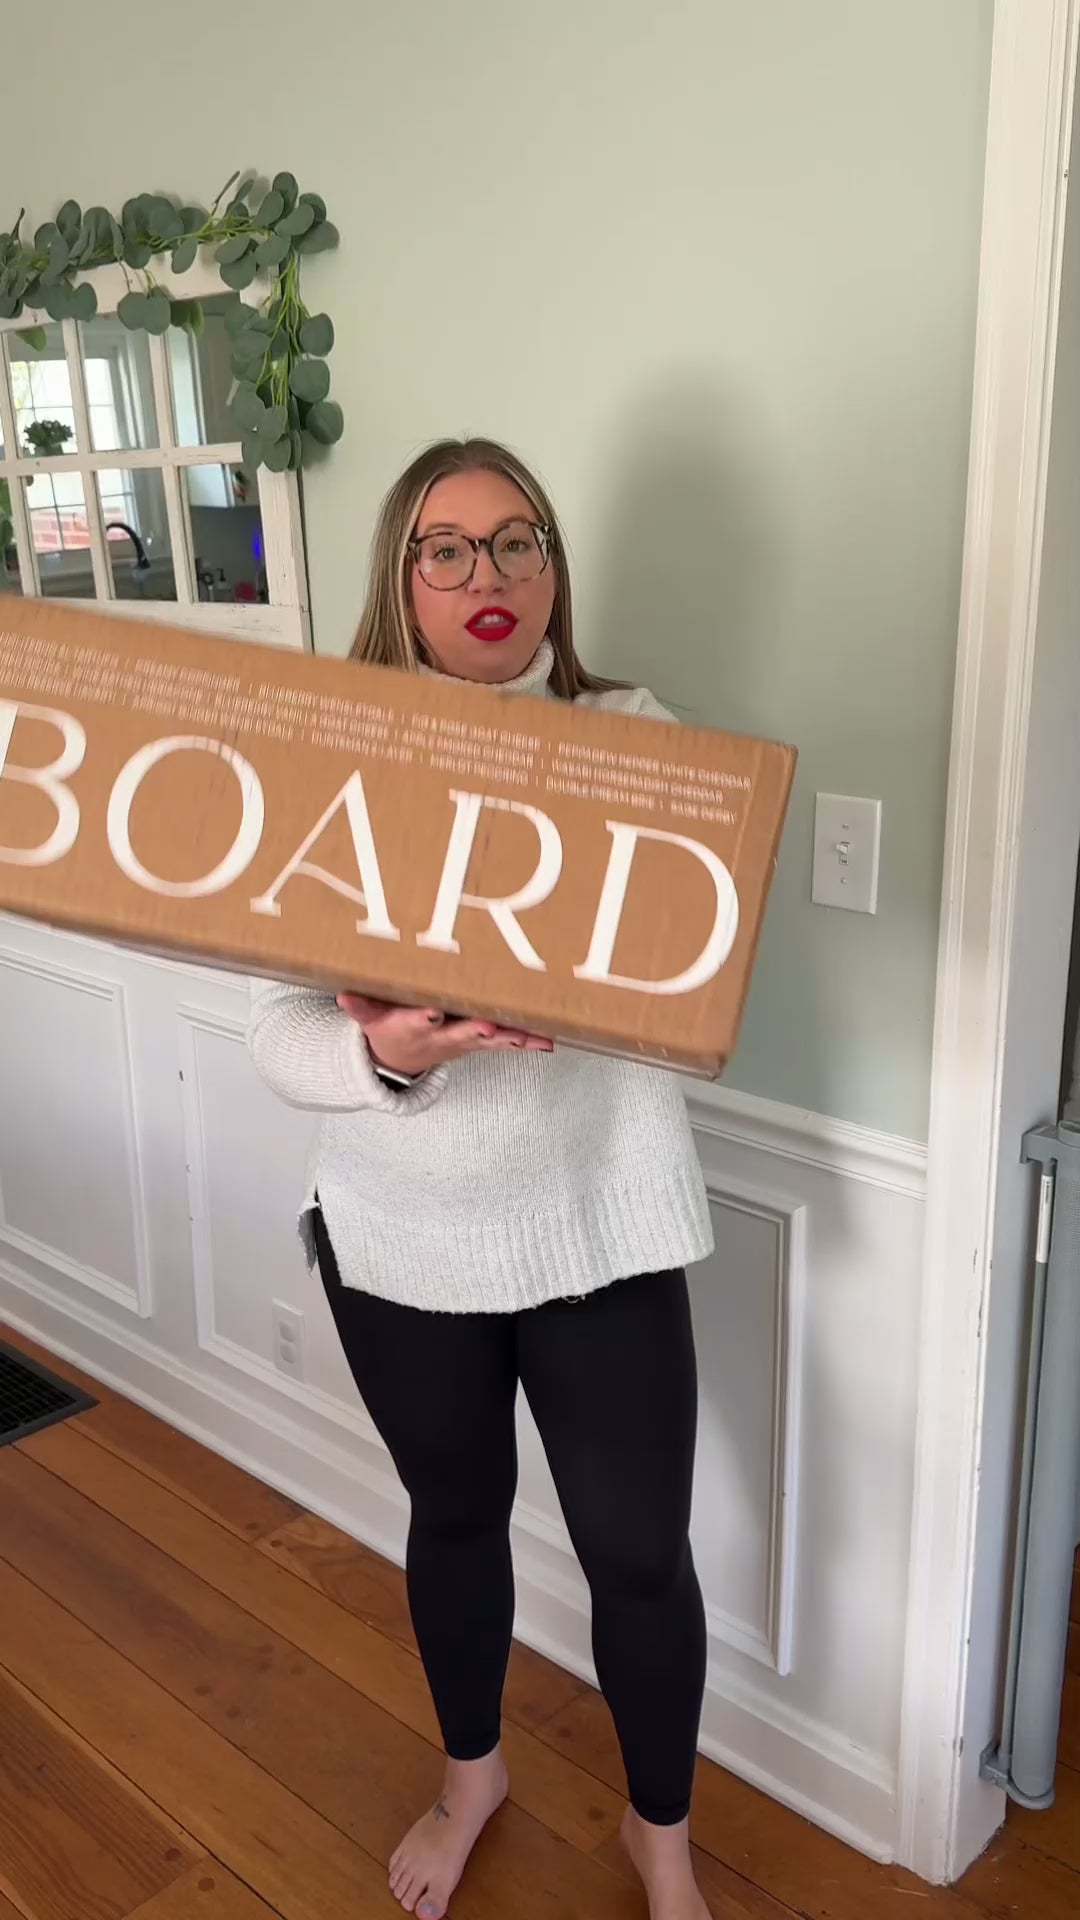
<point>119,385</point>
<point>137,533</point>
<point>202,378</point>
<point>44,428</point>
<point>41,393</point>
<point>60,534</point>
<point>10,579</point>
<point>226,534</point>
<point>9,559</point>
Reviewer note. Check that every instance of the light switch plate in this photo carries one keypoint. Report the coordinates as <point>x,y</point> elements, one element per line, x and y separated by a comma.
<point>847,845</point>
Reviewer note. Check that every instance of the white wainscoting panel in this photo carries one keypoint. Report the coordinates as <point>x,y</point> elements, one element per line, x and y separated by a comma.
<point>245,1160</point>
<point>70,1180</point>
<point>748,1309</point>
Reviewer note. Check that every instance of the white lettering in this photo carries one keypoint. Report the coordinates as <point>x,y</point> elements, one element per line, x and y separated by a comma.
<point>248,834</point>
<point>372,896</point>
<point>597,965</point>
<point>452,896</point>
<point>49,779</point>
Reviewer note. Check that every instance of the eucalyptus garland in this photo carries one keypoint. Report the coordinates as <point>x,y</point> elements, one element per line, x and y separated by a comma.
<point>281,397</point>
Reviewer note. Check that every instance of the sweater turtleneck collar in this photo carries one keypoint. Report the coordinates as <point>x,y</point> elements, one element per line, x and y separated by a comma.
<point>534,680</point>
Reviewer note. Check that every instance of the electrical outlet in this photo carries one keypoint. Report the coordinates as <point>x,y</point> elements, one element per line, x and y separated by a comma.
<point>288,1341</point>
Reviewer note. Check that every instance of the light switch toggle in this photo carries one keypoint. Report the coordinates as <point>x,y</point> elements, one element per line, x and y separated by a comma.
<point>847,845</point>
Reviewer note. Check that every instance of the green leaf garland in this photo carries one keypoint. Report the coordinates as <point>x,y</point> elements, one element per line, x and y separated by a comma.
<point>280,405</point>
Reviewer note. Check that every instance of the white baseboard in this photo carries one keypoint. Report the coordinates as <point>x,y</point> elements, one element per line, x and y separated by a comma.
<point>337,1468</point>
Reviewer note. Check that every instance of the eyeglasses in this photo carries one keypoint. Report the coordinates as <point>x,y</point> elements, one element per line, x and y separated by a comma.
<point>519,551</point>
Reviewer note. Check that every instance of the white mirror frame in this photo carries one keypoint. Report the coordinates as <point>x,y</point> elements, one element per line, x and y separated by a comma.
<point>285,621</point>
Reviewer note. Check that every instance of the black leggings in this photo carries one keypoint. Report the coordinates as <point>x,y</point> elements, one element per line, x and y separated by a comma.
<point>612,1383</point>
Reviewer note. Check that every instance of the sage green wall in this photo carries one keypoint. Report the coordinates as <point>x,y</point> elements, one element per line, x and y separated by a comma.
<point>712,266</point>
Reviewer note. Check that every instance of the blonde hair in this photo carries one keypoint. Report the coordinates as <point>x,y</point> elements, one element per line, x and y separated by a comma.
<point>387,635</point>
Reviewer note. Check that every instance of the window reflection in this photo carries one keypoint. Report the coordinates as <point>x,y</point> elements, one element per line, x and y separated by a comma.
<point>61,533</point>
<point>119,385</point>
<point>41,394</point>
<point>137,533</point>
<point>10,580</point>
<point>202,378</point>
<point>226,534</point>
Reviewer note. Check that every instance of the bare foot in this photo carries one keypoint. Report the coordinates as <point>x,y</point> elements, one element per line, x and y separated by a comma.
<point>662,1858</point>
<point>431,1859</point>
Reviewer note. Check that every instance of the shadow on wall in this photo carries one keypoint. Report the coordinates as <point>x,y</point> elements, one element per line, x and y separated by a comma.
<point>690,570</point>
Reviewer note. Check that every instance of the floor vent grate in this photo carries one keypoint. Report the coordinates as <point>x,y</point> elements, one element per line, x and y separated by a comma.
<point>32,1398</point>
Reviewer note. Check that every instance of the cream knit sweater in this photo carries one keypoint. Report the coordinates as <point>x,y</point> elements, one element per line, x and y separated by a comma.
<point>497,1183</point>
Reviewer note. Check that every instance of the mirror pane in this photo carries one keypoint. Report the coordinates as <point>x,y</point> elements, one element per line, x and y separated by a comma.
<point>10,577</point>
<point>119,385</point>
<point>137,533</point>
<point>61,535</point>
<point>9,559</point>
<point>41,394</point>
<point>202,378</point>
<point>226,534</point>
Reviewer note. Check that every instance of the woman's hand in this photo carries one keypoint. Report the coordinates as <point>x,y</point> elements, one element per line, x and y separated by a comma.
<point>413,1040</point>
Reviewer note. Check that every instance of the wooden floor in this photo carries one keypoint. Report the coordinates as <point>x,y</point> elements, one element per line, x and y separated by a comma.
<point>211,1706</point>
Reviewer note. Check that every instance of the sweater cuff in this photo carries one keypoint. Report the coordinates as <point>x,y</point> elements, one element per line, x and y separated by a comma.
<point>369,1092</point>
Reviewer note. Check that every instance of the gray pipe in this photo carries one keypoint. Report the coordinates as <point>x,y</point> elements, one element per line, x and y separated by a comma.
<point>1025,1760</point>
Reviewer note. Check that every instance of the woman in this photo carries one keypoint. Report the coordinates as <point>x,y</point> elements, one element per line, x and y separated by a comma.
<point>488,1211</point>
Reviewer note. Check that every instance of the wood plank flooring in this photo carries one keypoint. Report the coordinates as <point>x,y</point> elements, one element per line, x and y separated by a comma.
<point>211,1708</point>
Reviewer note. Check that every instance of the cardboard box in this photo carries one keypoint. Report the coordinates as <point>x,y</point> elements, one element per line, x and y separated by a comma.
<point>593,877</point>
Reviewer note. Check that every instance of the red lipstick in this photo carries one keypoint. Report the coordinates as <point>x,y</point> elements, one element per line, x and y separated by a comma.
<point>491,624</point>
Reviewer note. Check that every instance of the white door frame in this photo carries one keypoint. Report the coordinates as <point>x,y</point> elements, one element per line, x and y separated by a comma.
<point>945,1812</point>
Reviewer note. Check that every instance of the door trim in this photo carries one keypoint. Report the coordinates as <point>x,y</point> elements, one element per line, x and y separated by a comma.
<point>945,1815</point>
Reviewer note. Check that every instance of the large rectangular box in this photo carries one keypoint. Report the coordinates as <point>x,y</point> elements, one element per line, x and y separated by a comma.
<point>597,878</point>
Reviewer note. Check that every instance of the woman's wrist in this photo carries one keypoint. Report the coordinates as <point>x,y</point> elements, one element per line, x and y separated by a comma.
<point>398,1082</point>
<point>399,1078</point>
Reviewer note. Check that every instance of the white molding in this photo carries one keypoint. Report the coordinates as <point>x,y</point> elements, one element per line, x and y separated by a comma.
<point>20,512</point>
<point>184,582</point>
<point>136,459</point>
<point>813,1139</point>
<point>136,1300</point>
<point>192,1021</point>
<point>208,976</point>
<point>1031,93</point>
<point>349,1416</point>
<point>772,1645</point>
<point>717,1112</point>
<point>787,1754</point>
<point>283,546</point>
<point>131,1363</point>
<point>202,281</point>
<point>268,626</point>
